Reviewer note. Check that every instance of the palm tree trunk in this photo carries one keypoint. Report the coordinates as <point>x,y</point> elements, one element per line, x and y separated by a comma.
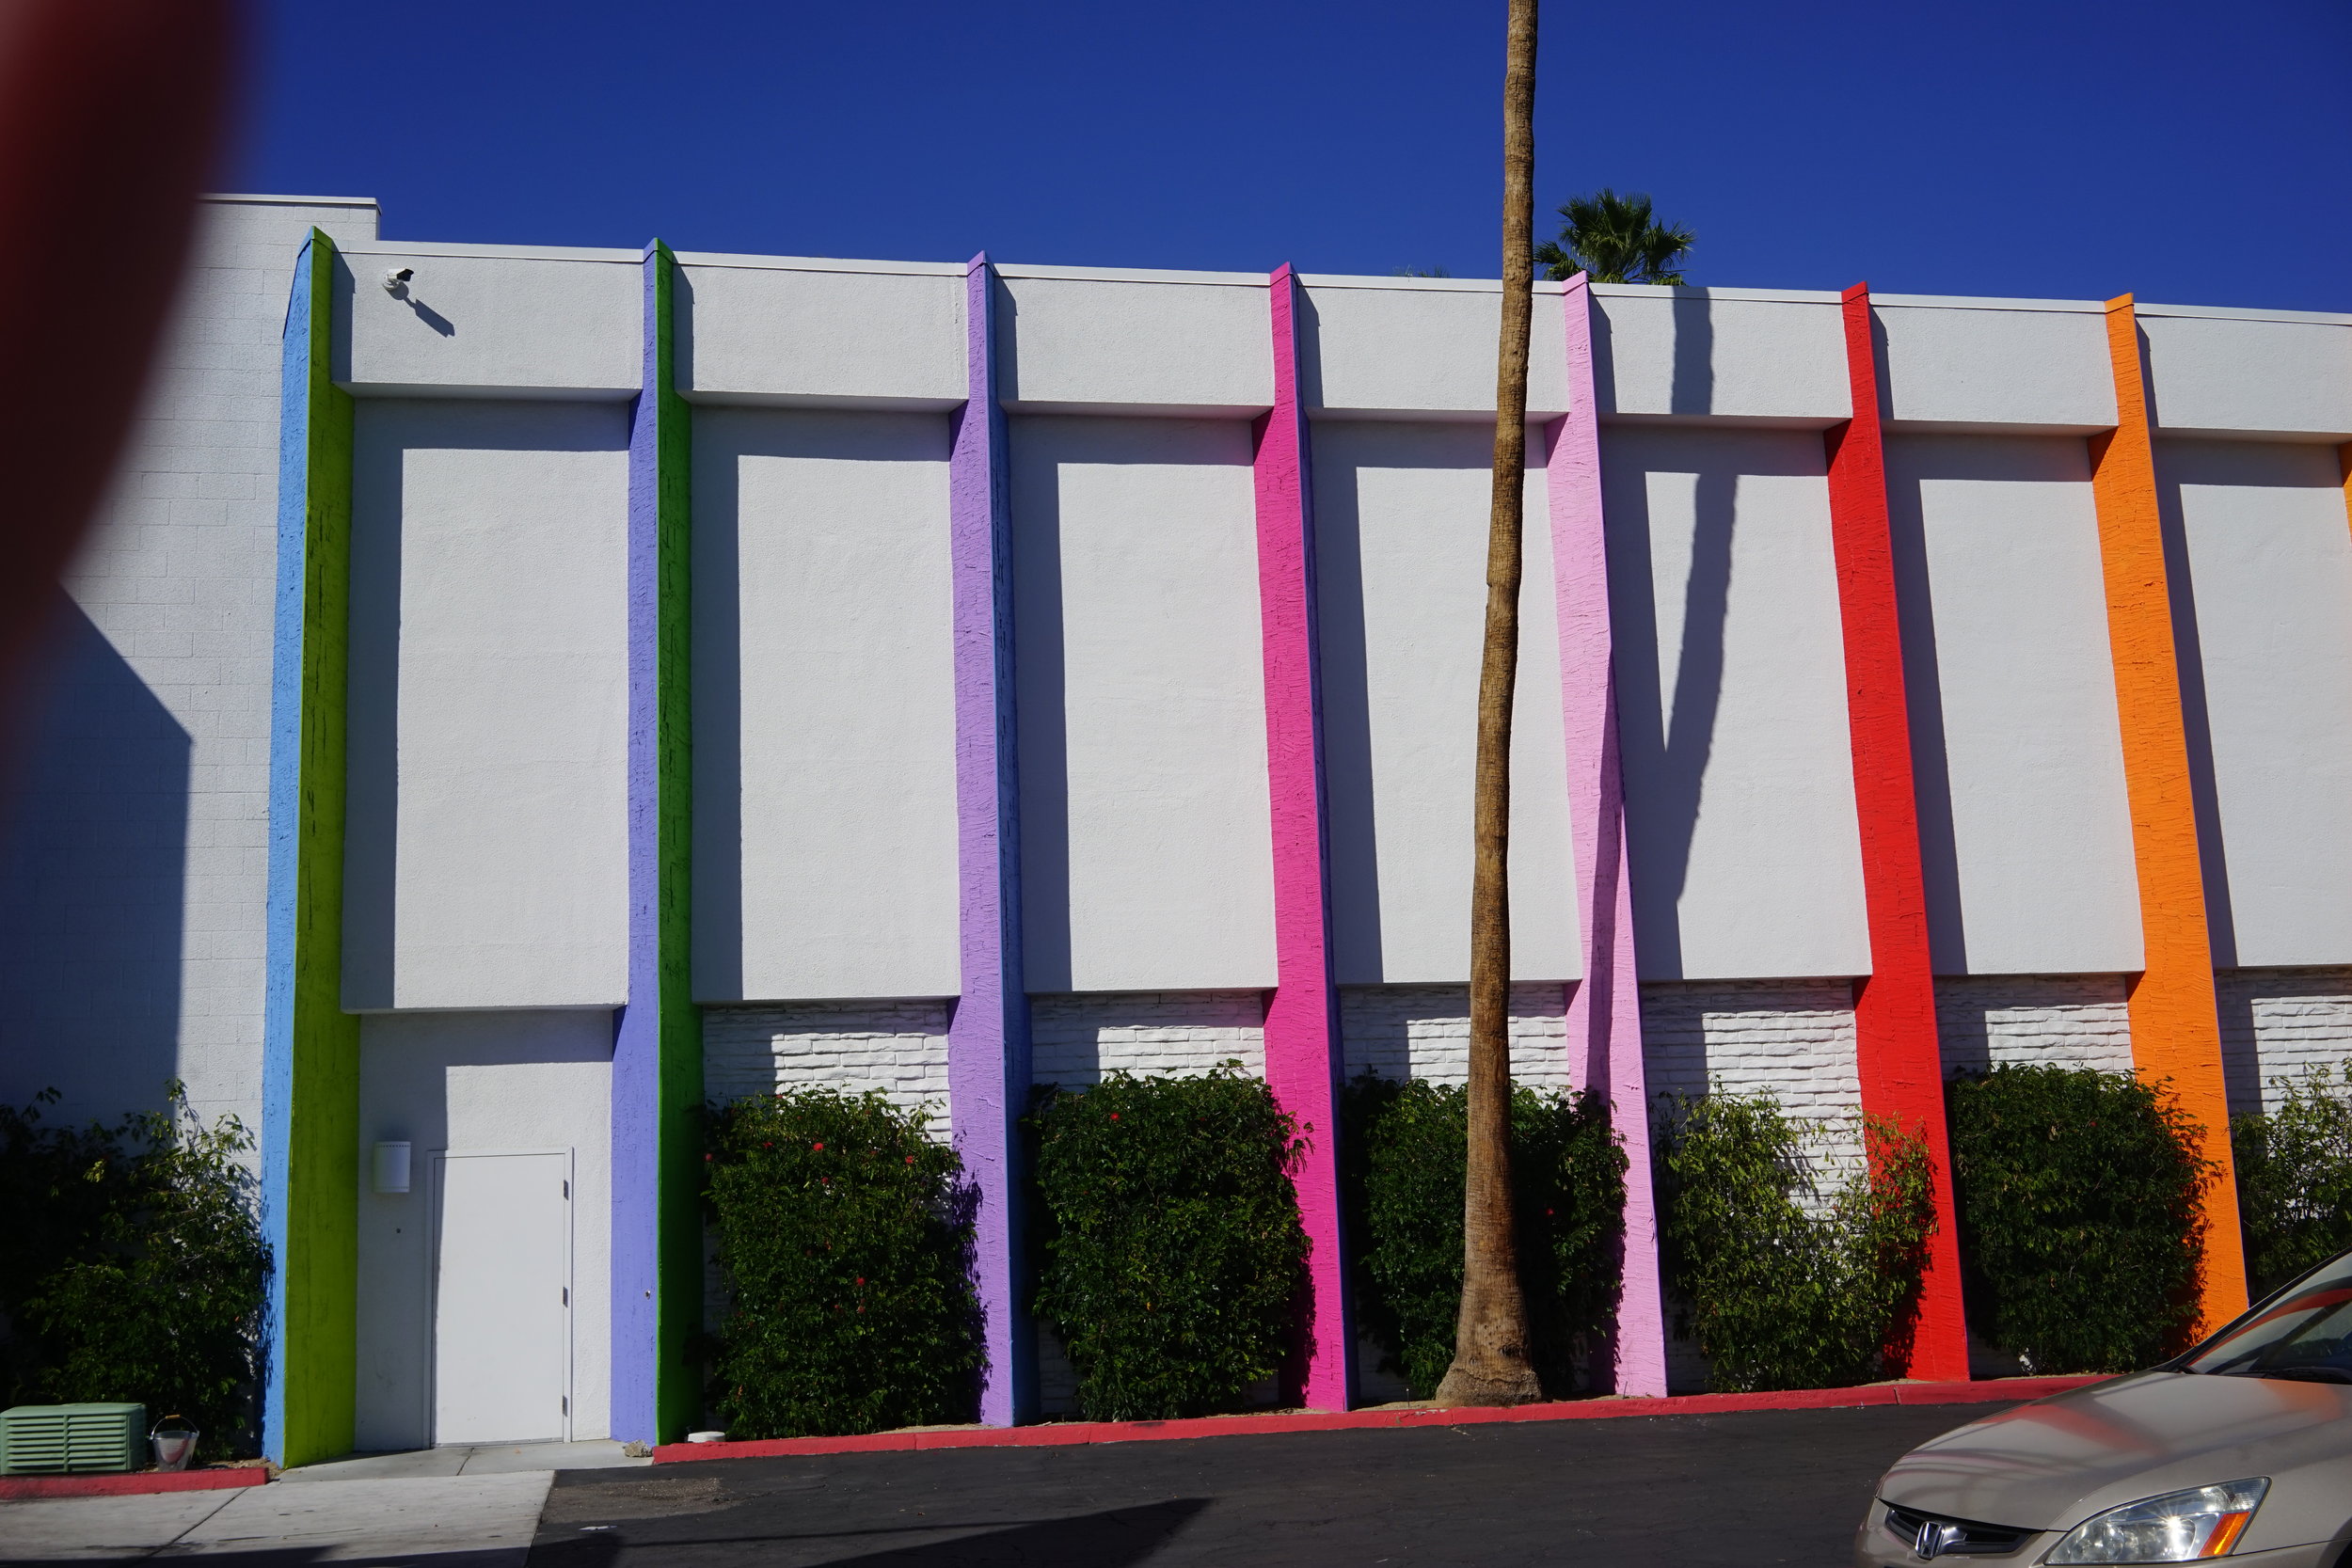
<point>1491,1361</point>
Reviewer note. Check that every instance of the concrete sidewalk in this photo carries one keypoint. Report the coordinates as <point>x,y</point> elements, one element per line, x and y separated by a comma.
<point>457,1521</point>
<point>482,1459</point>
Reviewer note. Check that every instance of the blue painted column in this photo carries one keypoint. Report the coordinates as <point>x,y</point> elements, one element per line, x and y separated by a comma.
<point>657,1053</point>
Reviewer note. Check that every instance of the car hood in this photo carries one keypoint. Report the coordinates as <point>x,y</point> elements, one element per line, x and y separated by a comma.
<point>2054,1462</point>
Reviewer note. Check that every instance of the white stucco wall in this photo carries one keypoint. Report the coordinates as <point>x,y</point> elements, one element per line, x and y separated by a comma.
<point>776,329</point>
<point>1773,356</point>
<point>485,848</point>
<point>490,321</point>
<point>2011,362</point>
<point>1134,342</point>
<point>824,706</point>
<point>2026,834</point>
<point>2269,569</point>
<point>2226,373</point>
<point>1422,346</point>
<point>1400,522</point>
<point>1731,703</point>
<point>1147,858</point>
<point>501,1082</point>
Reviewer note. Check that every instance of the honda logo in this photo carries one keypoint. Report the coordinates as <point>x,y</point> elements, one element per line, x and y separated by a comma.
<point>1936,1537</point>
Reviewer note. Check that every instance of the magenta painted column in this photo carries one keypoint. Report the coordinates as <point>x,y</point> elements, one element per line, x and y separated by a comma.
<point>988,1037</point>
<point>1302,1036</point>
<point>1605,1008</point>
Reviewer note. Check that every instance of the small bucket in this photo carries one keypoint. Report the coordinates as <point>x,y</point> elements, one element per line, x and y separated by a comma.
<point>174,1442</point>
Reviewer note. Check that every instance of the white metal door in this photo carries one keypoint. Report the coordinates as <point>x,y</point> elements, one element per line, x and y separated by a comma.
<point>501,1310</point>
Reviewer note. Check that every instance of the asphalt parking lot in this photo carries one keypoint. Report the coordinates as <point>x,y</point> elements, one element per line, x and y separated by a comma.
<point>1692,1491</point>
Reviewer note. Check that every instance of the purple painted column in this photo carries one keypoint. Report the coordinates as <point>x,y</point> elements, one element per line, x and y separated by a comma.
<point>988,1038</point>
<point>1302,1036</point>
<point>1605,1008</point>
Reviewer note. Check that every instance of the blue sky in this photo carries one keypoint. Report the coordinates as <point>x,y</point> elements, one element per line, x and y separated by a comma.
<point>2195,154</point>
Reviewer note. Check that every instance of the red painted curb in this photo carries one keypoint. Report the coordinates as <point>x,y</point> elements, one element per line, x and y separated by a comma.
<point>19,1488</point>
<point>1055,1435</point>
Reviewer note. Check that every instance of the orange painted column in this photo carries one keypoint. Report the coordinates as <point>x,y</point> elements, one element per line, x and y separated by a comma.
<point>1899,1059</point>
<point>2176,1029</point>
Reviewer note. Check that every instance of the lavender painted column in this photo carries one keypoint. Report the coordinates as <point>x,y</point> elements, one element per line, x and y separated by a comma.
<point>988,1040</point>
<point>1605,1008</point>
<point>1302,1035</point>
<point>657,1053</point>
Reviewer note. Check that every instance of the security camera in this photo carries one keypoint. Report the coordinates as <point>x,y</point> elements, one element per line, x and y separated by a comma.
<point>396,278</point>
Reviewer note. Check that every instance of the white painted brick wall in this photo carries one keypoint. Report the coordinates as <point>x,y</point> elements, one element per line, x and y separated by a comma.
<point>1077,1038</point>
<point>132,891</point>
<point>1793,1040</point>
<point>2280,1023</point>
<point>1423,1032</point>
<point>2049,1020</point>
<point>898,1047</point>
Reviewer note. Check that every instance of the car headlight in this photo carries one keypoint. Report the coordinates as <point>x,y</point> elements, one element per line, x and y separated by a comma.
<point>2179,1527</point>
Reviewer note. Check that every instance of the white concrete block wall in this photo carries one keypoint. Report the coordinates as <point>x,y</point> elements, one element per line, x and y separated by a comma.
<point>1423,1032</point>
<point>2072,1020</point>
<point>1076,1039</point>
<point>2282,1023</point>
<point>896,1046</point>
<point>131,888</point>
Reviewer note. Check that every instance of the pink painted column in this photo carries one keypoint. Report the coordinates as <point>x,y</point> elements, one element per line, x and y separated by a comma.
<point>1605,1008</point>
<point>1302,1036</point>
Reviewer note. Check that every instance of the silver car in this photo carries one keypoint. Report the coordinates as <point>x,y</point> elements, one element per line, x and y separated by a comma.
<point>2240,1448</point>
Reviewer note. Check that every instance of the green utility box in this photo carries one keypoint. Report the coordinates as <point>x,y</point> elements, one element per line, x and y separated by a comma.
<point>72,1440</point>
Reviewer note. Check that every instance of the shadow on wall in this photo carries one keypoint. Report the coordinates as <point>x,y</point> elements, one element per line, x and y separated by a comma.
<point>2196,714</point>
<point>1668,742</point>
<point>92,877</point>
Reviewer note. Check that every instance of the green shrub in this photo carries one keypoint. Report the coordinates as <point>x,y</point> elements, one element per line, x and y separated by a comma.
<point>1779,1297</point>
<point>133,1267</point>
<point>2295,1178</point>
<point>845,1237</point>
<point>2079,1225</point>
<point>1173,1260</point>
<point>1405,1153</point>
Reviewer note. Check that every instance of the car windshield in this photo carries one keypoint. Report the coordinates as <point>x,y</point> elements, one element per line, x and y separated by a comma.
<point>2305,1334</point>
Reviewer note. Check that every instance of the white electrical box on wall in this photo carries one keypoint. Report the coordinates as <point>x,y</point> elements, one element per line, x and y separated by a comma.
<point>391,1167</point>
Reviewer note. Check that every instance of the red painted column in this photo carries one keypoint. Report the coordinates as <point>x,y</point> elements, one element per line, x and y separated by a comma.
<point>1895,1041</point>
